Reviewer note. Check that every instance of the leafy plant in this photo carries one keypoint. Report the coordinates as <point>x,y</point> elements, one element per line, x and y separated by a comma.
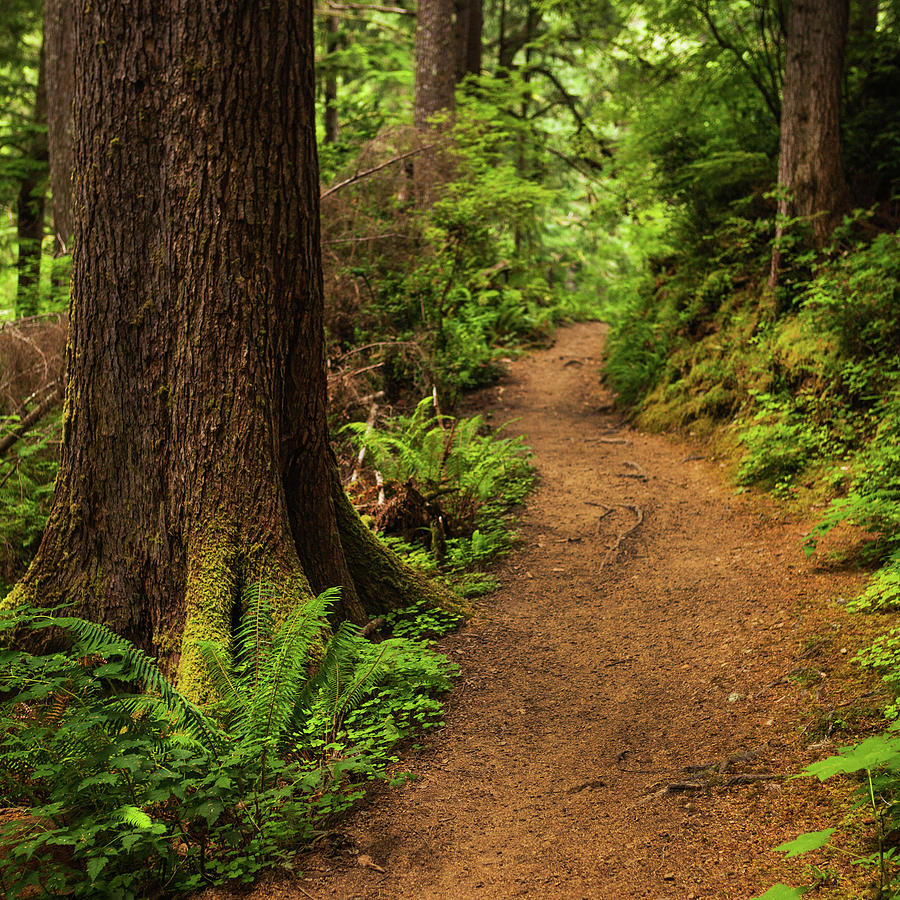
<point>116,785</point>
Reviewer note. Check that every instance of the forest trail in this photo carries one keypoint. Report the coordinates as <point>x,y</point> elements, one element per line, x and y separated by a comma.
<point>646,627</point>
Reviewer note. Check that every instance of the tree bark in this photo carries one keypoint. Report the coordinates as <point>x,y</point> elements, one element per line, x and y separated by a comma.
<point>30,207</point>
<point>195,454</point>
<point>435,60</point>
<point>810,171</point>
<point>59,61</point>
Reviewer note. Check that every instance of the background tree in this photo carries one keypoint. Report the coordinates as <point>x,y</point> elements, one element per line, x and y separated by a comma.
<point>436,41</point>
<point>59,66</point>
<point>31,202</point>
<point>469,28</point>
<point>195,451</point>
<point>810,168</point>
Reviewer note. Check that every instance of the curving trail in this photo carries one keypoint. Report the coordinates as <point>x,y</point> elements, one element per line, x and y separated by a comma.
<point>632,648</point>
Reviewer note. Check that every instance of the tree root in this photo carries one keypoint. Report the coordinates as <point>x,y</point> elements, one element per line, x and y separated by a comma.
<point>613,551</point>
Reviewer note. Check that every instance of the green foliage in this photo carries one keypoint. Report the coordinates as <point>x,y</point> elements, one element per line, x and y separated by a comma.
<point>122,787</point>
<point>806,843</point>
<point>782,892</point>
<point>420,621</point>
<point>27,473</point>
<point>472,471</point>
<point>470,478</point>
<point>877,759</point>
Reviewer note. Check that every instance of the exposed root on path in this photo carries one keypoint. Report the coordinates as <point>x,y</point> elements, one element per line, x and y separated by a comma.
<point>613,551</point>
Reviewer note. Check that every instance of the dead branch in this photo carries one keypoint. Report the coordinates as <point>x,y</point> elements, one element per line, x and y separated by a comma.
<point>369,237</point>
<point>30,420</point>
<point>638,471</point>
<point>370,424</point>
<point>358,176</point>
<point>368,6</point>
<point>372,626</point>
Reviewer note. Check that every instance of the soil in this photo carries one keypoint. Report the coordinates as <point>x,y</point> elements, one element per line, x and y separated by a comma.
<point>659,657</point>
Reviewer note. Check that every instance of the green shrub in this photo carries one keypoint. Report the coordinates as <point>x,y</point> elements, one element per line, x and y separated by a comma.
<point>119,786</point>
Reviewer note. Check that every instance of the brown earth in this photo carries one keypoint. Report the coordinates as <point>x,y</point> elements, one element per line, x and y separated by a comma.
<point>659,650</point>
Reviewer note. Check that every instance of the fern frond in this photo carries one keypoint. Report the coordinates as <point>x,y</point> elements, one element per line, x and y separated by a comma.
<point>336,668</point>
<point>291,650</point>
<point>366,676</point>
<point>95,639</point>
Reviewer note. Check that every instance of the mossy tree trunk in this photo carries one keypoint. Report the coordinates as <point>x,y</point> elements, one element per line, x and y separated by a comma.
<point>810,170</point>
<point>195,453</point>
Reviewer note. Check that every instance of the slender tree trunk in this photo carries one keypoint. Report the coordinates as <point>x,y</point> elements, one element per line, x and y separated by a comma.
<point>30,207</point>
<point>863,19</point>
<point>469,27</point>
<point>59,61</point>
<point>501,36</point>
<point>435,60</point>
<point>332,42</point>
<point>810,171</point>
<point>195,454</point>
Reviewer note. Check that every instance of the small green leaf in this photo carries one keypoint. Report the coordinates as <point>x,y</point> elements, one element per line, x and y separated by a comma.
<point>782,892</point>
<point>812,840</point>
<point>872,753</point>
<point>95,866</point>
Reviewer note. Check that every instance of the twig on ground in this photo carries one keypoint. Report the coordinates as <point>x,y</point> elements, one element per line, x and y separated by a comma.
<point>638,471</point>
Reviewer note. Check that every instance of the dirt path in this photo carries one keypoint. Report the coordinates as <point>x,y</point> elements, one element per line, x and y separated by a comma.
<point>634,638</point>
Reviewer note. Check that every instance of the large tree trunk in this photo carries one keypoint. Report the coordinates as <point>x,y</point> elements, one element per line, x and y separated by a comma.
<point>810,171</point>
<point>195,452</point>
<point>59,61</point>
<point>30,207</point>
<point>435,60</point>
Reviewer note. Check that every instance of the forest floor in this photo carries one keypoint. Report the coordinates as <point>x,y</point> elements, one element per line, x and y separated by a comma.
<point>659,657</point>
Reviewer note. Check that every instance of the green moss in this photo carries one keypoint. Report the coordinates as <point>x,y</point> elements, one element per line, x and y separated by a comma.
<point>220,566</point>
<point>209,600</point>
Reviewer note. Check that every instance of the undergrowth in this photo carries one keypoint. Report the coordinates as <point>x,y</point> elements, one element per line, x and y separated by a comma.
<point>456,483</point>
<point>116,785</point>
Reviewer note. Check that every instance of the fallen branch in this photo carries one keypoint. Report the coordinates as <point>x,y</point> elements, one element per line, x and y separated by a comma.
<point>638,473</point>
<point>358,176</point>
<point>30,420</point>
<point>372,626</point>
<point>399,10</point>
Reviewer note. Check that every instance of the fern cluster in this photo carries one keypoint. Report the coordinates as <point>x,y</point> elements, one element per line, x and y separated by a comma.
<point>470,473</point>
<point>116,785</point>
